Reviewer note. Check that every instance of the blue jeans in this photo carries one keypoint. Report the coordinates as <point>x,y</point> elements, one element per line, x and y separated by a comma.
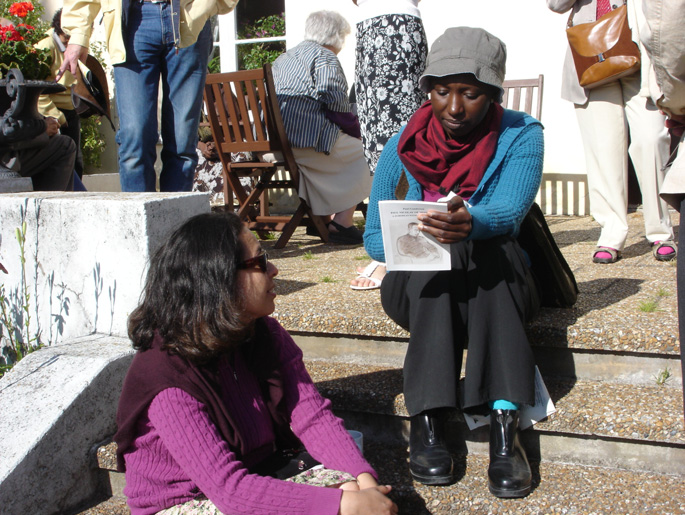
<point>150,53</point>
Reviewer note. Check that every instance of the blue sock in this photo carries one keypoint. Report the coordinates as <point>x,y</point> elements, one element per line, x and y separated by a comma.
<point>502,404</point>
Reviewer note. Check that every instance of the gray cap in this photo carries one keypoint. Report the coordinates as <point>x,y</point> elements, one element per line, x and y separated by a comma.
<point>466,50</point>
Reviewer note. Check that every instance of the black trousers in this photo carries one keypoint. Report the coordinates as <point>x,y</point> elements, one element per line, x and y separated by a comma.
<point>49,162</point>
<point>484,301</point>
<point>73,130</point>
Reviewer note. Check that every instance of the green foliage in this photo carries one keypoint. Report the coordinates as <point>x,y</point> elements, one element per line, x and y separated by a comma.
<point>214,65</point>
<point>327,279</point>
<point>265,27</point>
<point>252,56</point>
<point>308,255</point>
<point>649,306</point>
<point>17,40</point>
<point>15,314</point>
<point>663,376</point>
<point>92,142</point>
<point>255,55</point>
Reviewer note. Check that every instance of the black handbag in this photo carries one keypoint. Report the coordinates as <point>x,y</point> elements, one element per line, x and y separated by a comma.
<point>555,280</point>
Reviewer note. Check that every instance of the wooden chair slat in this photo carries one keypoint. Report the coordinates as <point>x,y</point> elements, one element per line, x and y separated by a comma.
<point>244,116</point>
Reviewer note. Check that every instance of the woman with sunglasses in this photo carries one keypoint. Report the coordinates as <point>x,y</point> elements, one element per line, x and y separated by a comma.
<point>217,399</point>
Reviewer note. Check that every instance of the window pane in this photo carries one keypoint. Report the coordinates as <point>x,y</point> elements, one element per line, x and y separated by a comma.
<point>254,55</point>
<point>260,19</point>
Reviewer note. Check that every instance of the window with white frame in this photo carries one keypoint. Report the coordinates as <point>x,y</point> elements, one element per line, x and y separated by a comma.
<point>254,33</point>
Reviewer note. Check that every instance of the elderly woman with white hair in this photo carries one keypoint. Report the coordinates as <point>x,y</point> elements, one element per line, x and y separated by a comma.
<point>313,96</point>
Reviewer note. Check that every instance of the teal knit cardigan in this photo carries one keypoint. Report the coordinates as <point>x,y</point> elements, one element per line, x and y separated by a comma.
<point>502,198</point>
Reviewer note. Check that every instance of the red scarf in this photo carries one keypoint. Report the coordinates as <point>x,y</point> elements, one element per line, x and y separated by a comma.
<point>440,164</point>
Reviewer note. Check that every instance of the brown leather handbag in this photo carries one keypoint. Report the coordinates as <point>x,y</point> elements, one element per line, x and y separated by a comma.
<point>603,51</point>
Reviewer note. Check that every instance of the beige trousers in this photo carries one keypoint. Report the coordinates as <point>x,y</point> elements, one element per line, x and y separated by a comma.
<point>613,113</point>
<point>664,39</point>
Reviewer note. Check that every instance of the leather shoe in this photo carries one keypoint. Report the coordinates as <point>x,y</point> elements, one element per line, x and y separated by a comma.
<point>509,472</point>
<point>430,462</point>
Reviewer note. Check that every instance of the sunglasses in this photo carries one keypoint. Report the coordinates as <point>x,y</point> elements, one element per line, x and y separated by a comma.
<point>260,261</point>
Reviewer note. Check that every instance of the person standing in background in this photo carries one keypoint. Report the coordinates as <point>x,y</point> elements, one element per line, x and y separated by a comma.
<point>390,58</point>
<point>608,116</point>
<point>664,39</point>
<point>148,40</point>
<point>59,105</point>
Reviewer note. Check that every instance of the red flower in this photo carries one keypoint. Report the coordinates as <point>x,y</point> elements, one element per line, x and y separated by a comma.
<point>21,9</point>
<point>9,33</point>
<point>27,27</point>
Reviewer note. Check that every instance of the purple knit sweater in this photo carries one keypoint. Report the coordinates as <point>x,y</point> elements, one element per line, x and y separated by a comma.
<point>179,454</point>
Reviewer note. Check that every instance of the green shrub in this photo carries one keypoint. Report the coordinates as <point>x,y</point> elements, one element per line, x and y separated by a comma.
<point>92,142</point>
<point>255,55</point>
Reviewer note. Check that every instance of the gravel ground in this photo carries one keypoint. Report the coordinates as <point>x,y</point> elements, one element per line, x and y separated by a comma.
<point>564,489</point>
<point>627,306</point>
<point>557,489</point>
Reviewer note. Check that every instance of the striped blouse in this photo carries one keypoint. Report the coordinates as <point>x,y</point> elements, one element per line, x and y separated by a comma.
<point>310,80</point>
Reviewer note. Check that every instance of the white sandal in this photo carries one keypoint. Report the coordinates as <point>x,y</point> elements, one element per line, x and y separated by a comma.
<point>366,274</point>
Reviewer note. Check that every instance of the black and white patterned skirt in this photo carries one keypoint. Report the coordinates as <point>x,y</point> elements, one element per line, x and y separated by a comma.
<point>390,58</point>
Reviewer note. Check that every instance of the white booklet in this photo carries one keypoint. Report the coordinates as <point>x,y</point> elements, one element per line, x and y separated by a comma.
<point>528,415</point>
<point>407,248</point>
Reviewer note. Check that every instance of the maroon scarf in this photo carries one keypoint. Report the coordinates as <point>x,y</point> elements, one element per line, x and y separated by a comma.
<point>442,165</point>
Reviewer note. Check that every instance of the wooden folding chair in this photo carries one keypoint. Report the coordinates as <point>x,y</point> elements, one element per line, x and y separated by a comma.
<point>244,116</point>
<point>527,90</point>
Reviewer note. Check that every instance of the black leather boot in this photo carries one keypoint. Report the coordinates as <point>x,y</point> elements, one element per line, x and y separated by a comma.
<point>430,462</point>
<point>509,472</point>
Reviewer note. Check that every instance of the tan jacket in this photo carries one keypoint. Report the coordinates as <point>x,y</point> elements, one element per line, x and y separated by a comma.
<point>585,11</point>
<point>50,105</point>
<point>78,17</point>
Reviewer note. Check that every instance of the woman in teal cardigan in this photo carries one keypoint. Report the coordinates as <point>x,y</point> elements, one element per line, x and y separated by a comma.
<point>463,144</point>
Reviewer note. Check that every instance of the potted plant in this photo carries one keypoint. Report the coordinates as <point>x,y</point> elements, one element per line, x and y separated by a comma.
<point>23,70</point>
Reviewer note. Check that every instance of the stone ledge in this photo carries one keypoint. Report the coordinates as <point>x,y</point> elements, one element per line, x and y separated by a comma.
<point>86,254</point>
<point>56,403</point>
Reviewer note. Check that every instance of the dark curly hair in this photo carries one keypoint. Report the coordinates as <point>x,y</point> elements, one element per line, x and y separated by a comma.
<point>57,22</point>
<point>191,296</point>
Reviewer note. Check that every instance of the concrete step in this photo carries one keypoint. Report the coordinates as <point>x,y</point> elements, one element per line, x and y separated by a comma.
<point>609,448</point>
<point>596,423</point>
<point>557,488</point>
<point>626,307</point>
<point>625,367</point>
<point>615,425</point>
